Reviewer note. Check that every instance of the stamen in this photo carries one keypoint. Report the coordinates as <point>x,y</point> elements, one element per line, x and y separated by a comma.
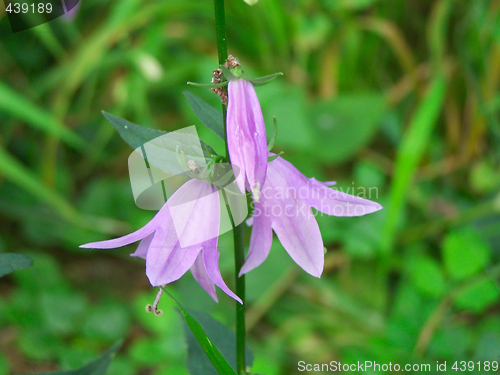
<point>256,192</point>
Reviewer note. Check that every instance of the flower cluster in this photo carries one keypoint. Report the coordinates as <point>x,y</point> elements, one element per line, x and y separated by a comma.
<point>184,233</point>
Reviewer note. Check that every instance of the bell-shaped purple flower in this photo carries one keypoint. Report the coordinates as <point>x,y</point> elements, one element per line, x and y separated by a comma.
<point>285,207</point>
<point>246,136</point>
<point>183,235</point>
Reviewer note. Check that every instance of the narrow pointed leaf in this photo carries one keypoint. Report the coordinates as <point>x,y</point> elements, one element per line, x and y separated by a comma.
<point>260,81</point>
<point>222,337</point>
<point>97,366</point>
<point>9,262</point>
<point>410,152</point>
<point>135,135</point>
<point>208,347</point>
<point>208,115</point>
<point>22,108</point>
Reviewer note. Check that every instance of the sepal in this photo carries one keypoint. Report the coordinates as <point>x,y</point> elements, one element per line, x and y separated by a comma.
<point>261,81</point>
<point>271,158</point>
<point>270,145</point>
<point>208,85</point>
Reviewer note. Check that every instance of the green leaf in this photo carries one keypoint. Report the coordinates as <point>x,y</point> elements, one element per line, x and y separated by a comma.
<point>208,115</point>
<point>20,107</point>
<point>222,337</point>
<point>96,367</point>
<point>9,262</point>
<point>207,345</point>
<point>465,253</point>
<point>426,275</point>
<point>163,152</point>
<point>477,296</point>
<point>346,124</point>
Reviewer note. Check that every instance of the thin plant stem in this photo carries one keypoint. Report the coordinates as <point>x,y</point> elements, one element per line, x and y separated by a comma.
<point>239,246</point>
<point>239,259</point>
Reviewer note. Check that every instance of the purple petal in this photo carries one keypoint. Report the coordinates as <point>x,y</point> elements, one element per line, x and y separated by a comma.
<point>132,237</point>
<point>201,276</point>
<point>260,240</point>
<point>291,219</point>
<point>166,261</point>
<point>246,134</point>
<point>300,236</point>
<point>142,249</point>
<point>195,210</point>
<point>211,262</point>
<point>316,194</point>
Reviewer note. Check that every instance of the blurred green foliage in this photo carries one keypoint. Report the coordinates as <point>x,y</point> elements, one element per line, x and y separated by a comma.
<point>396,101</point>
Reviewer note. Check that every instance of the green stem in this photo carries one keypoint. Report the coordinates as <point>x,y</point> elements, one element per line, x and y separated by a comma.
<point>220,30</point>
<point>239,259</point>
<point>239,246</point>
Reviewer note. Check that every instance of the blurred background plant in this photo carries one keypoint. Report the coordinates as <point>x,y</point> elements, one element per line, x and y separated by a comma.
<point>397,100</point>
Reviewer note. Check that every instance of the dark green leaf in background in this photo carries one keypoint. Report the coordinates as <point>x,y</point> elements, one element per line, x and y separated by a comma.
<point>208,115</point>
<point>9,262</point>
<point>288,105</point>
<point>346,124</point>
<point>163,153</point>
<point>96,367</point>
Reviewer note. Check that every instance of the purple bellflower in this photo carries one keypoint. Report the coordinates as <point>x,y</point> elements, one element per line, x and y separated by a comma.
<point>183,235</point>
<point>285,207</point>
<point>246,136</point>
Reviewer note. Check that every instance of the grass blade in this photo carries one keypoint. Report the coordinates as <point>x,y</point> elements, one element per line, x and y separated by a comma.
<point>20,107</point>
<point>409,155</point>
<point>20,175</point>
